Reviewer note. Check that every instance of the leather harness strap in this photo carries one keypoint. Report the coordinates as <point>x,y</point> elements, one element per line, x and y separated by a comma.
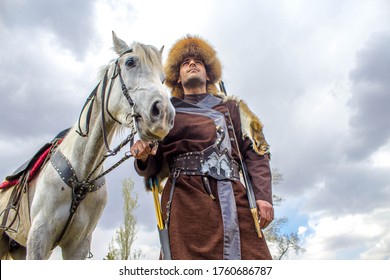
<point>79,189</point>
<point>64,167</point>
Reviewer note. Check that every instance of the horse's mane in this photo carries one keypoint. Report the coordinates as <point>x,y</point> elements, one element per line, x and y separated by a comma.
<point>148,55</point>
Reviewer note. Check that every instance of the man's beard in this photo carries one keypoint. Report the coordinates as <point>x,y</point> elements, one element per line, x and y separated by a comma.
<point>194,82</point>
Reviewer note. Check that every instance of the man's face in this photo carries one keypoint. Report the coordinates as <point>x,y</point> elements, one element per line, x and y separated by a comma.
<point>192,73</point>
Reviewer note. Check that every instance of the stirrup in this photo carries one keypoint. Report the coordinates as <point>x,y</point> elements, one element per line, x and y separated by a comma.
<point>12,227</point>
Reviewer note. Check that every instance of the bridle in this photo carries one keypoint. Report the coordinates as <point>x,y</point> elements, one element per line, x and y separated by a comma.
<point>81,188</point>
<point>104,108</point>
<point>104,104</point>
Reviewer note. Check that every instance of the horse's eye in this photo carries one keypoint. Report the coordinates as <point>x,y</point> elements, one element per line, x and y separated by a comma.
<point>130,62</point>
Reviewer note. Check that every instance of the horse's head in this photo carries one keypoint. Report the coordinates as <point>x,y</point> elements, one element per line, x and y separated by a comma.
<point>137,92</point>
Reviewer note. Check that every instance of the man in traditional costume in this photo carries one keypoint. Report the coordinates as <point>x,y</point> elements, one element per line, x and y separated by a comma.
<point>214,142</point>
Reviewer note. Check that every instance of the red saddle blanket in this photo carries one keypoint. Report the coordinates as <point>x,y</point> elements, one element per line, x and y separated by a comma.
<point>34,165</point>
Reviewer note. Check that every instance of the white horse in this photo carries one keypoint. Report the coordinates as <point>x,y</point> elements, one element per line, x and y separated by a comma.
<point>130,95</point>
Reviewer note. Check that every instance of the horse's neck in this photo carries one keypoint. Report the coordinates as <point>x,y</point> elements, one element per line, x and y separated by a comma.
<point>84,153</point>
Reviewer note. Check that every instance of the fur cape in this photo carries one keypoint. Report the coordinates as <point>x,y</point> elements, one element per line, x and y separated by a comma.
<point>251,126</point>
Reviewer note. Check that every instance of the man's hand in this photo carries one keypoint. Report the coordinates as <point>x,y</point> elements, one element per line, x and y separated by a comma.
<point>141,150</point>
<point>266,211</point>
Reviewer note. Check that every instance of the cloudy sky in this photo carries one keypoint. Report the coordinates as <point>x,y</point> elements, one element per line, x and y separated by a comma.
<point>316,72</point>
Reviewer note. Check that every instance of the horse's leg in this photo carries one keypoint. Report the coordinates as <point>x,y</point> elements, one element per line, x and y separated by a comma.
<point>77,251</point>
<point>77,243</point>
<point>19,253</point>
<point>49,211</point>
<point>9,248</point>
<point>38,247</point>
<point>4,245</point>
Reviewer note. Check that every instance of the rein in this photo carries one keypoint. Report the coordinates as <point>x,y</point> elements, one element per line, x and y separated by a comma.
<point>80,189</point>
<point>104,105</point>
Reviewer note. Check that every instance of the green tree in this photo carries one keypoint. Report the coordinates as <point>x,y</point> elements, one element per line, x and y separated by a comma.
<point>121,244</point>
<point>282,243</point>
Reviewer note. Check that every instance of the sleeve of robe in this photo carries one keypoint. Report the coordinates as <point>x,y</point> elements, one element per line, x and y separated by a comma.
<point>258,165</point>
<point>151,167</point>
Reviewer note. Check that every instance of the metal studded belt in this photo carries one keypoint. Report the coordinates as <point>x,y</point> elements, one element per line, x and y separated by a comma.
<point>209,162</point>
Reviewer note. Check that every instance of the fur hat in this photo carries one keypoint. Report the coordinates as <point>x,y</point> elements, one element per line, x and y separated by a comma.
<point>197,47</point>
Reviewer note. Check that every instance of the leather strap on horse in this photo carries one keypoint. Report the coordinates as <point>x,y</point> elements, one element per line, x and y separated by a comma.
<point>64,167</point>
<point>104,104</point>
<point>79,189</point>
<point>14,204</point>
<point>89,101</point>
<point>21,188</point>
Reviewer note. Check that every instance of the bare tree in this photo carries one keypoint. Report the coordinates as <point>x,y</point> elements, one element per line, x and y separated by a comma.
<point>120,247</point>
<point>281,242</point>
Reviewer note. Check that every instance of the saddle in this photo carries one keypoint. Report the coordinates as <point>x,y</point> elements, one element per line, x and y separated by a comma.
<point>14,199</point>
<point>34,164</point>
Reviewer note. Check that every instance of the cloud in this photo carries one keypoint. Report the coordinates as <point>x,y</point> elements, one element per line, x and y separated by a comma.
<point>310,77</point>
<point>344,172</point>
<point>350,189</point>
<point>361,236</point>
<point>315,73</point>
<point>41,87</point>
<point>370,121</point>
<point>71,22</point>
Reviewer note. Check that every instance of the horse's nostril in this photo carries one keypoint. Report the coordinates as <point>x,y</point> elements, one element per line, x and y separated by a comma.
<point>155,109</point>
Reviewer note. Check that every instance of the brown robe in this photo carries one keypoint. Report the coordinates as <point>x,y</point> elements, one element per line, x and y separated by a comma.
<point>196,227</point>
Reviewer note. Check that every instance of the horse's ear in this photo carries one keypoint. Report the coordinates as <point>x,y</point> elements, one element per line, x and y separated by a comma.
<point>119,45</point>
<point>161,50</point>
